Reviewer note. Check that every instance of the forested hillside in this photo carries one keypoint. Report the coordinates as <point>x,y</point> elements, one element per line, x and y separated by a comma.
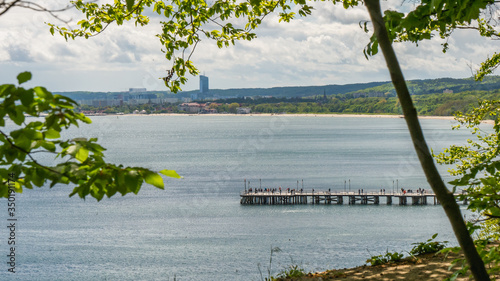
<point>430,104</point>
<point>436,86</point>
<point>440,97</point>
<point>416,87</point>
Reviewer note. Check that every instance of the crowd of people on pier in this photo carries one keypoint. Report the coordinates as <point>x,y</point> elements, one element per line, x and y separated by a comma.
<point>420,191</point>
<point>275,190</point>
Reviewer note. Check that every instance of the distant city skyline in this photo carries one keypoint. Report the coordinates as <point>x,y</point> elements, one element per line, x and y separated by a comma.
<point>323,49</point>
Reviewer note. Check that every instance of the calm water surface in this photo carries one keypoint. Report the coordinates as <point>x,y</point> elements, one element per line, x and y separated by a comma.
<point>196,229</point>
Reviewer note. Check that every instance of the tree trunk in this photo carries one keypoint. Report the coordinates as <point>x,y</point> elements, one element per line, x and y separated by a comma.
<point>446,198</point>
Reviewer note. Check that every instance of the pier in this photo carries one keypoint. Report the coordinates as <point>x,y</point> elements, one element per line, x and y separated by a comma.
<point>286,197</point>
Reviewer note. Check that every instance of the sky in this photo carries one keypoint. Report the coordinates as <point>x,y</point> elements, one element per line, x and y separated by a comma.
<point>323,49</point>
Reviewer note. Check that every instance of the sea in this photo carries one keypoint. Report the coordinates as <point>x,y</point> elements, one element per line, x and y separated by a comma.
<point>196,228</point>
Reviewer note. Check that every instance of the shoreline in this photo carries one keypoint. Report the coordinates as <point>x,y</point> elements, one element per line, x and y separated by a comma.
<point>285,114</point>
<point>327,115</point>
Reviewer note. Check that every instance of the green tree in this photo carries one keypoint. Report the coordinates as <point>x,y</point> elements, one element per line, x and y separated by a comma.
<point>81,161</point>
<point>186,22</point>
<point>25,133</point>
<point>232,107</point>
<point>478,172</point>
<point>477,163</point>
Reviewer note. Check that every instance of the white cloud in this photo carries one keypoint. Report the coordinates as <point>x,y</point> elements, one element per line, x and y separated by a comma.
<point>325,48</point>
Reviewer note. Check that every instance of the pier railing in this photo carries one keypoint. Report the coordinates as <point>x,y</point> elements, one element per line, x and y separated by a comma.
<point>285,197</point>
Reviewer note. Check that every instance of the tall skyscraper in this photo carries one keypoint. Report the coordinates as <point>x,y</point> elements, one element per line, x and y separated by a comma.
<point>203,84</point>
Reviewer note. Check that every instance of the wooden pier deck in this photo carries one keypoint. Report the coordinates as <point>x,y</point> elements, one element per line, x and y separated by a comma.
<point>337,198</point>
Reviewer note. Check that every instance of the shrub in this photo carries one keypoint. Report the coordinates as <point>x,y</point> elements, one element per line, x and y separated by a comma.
<point>427,247</point>
<point>383,259</point>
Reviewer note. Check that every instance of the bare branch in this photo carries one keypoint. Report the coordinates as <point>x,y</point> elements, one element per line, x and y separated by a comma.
<point>6,6</point>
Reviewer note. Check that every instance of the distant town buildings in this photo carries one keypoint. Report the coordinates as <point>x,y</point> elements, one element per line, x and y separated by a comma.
<point>194,107</point>
<point>171,100</point>
<point>134,96</point>
<point>203,108</point>
<point>243,110</point>
<point>101,102</point>
<point>191,107</point>
<point>448,91</point>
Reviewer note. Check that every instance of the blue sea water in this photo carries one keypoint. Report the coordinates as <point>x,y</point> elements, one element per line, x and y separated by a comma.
<point>196,228</point>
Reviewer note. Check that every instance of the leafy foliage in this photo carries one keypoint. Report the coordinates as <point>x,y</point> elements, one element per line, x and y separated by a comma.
<point>489,252</point>
<point>39,118</point>
<point>292,271</point>
<point>384,259</point>
<point>427,247</point>
<point>478,172</point>
<point>478,163</point>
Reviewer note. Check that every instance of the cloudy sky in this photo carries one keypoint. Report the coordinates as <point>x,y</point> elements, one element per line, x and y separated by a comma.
<point>325,48</point>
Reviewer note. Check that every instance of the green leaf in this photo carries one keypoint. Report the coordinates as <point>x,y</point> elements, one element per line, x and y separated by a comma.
<point>460,182</point>
<point>75,191</point>
<point>110,192</point>
<point>130,5</point>
<point>171,173</point>
<point>71,150</point>
<point>52,134</point>
<point>50,146</point>
<point>23,77</point>
<point>6,90</point>
<point>132,181</point>
<point>154,179</point>
<point>43,93</point>
<point>82,154</point>
<point>16,114</point>
<point>26,97</point>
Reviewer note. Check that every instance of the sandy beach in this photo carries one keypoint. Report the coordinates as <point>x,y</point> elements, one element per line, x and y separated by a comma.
<point>451,118</point>
<point>295,115</point>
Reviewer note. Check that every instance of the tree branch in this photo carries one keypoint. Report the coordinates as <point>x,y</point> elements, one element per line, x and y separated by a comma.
<point>27,153</point>
<point>35,7</point>
<point>8,6</point>
<point>127,15</point>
